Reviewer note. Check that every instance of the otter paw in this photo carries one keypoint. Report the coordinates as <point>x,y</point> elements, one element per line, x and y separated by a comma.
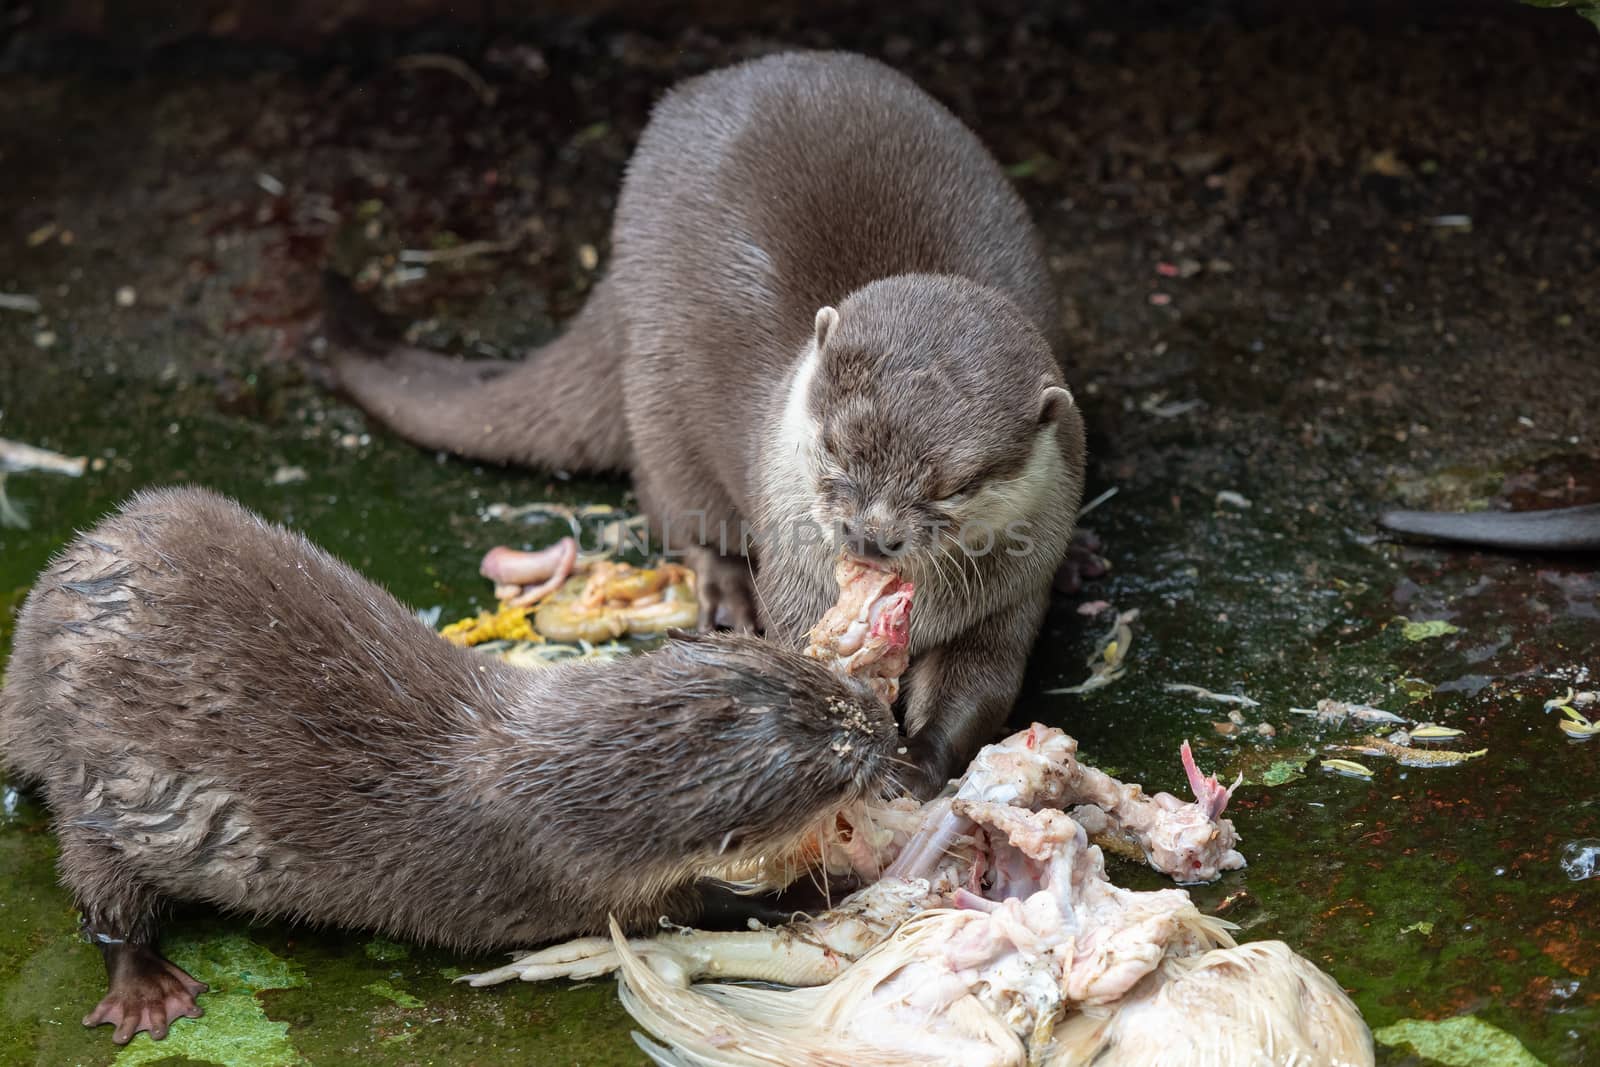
<point>1083,562</point>
<point>726,592</point>
<point>146,994</point>
<point>929,766</point>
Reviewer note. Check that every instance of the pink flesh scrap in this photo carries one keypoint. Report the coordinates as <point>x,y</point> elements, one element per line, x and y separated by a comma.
<point>1208,792</point>
<point>867,633</point>
<point>521,578</point>
<point>1038,768</point>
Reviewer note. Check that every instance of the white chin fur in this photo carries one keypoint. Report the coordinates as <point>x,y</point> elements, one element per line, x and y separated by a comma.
<point>789,473</point>
<point>797,430</point>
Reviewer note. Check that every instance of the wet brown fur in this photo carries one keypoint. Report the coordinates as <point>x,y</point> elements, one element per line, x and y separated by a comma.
<point>757,195</point>
<point>217,710</point>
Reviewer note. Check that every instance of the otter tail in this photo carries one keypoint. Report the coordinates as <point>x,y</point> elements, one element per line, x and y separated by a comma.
<point>1575,529</point>
<point>559,408</point>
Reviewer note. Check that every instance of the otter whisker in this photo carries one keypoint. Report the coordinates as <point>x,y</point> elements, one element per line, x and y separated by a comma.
<point>969,562</point>
<point>762,612</point>
<point>964,557</point>
<point>958,566</point>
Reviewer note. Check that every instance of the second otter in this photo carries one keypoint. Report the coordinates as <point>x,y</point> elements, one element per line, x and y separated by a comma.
<point>826,310</point>
<point>217,710</point>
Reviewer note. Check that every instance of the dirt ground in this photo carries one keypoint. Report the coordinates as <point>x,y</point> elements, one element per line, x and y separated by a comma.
<point>1317,259</point>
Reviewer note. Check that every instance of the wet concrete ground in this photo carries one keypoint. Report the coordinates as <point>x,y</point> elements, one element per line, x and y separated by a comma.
<point>1325,261</point>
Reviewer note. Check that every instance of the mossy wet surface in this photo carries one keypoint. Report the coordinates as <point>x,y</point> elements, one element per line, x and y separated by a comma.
<point>1240,207</point>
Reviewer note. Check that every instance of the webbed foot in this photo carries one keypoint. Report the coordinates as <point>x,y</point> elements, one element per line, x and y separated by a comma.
<point>146,993</point>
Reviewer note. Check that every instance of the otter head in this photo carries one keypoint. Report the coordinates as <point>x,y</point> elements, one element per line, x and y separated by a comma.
<point>758,741</point>
<point>931,423</point>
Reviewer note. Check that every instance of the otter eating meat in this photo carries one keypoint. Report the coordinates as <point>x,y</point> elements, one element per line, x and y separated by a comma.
<point>218,711</point>
<point>827,320</point>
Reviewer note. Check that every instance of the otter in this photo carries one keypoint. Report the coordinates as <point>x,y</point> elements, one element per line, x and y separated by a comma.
<point>217,710</point>
<point>826,321</point>
<point>1571,529</point>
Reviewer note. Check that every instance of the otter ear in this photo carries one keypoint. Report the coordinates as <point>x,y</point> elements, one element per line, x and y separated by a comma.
<point>1055,403</point>
<point>827,319</point>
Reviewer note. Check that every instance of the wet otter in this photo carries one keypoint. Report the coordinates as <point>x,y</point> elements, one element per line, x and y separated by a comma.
<point>219,711</point>
<point>827,310</point>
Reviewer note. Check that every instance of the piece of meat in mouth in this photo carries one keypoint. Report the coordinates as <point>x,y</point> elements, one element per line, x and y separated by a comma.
<point>867,633</point>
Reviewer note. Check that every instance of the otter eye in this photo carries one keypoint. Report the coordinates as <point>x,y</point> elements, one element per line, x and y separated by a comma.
<point>833,487</point>
<point>962,494</point>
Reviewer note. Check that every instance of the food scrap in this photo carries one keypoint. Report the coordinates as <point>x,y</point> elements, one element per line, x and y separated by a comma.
<point>551,594</point>
<point>1106,662</point>
<point>506,623</point>
<point>1423,631</point>
<point>1348,768</point>
<point>1573,698</point>
<point>1335,712</point>
<point>15,458</point>
<point>1430,731</point>
<point>866,634</point>
<point>1280,772</point>
<point>1206,694</point>
<point>1410,757</point>
<point>614,599</point>
<point>602,602</point>
<point>1576,725</point>
<point>533,655</point>
<point>525,578</point>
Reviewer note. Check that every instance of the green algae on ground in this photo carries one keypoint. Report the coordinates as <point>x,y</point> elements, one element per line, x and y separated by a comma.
<point>235,1029</point>
<point>385,951</point>
<point>1423,631</point>
<point>1415,689</point>
<point>1282,773</point>
<point>395,994</point>
<point>1266,765</point>
<point>1464,1041</point>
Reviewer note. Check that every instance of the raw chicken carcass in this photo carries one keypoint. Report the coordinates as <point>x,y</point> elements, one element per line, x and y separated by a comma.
<point>988,934</point>
<point>1188,842</point>
<point>1035,958</point>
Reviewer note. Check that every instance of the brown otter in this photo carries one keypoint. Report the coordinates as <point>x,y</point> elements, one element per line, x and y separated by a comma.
<point>826,310</point>
<point>219,711</point>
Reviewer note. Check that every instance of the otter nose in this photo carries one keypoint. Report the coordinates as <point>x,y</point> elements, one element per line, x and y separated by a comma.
<point>872,540</point>
<point>877,548</point>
